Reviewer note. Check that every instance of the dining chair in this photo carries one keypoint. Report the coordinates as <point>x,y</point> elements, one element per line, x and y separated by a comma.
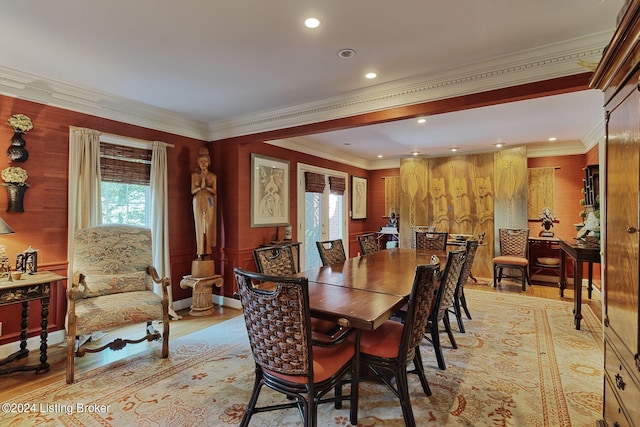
<point>414,228</point>
<point>514,244</point>
<point>289,357</point>
<point>331,251</point>
<point>368,243</point>
<point>112,287</point>
<point>388,351</point>
<point>275,261</point>
<point>459,301</point>
<point>279,261</point>
<point>444,299</point>
<point>436,241</point>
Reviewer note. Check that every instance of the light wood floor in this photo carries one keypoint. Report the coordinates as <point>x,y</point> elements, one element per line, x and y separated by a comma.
<point>22,382</point>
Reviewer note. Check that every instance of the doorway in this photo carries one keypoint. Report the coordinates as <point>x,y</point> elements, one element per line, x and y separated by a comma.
<point>322,212</point>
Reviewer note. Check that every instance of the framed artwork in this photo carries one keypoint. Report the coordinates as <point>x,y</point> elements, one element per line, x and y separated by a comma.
<point>269,191</point>
<point>358,197</point>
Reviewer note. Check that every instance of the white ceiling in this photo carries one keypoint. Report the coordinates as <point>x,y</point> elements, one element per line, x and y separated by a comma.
<point>214,69</point>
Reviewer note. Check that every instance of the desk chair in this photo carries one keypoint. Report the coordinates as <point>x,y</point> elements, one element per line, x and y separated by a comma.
<point>289,357</point>
<point>368,243</point>
<point>513,255</point>
<point>436,241</point>
<point>331,252</point>
<point>443,300</point>
<point>388,350</point>
<point>460,302</point>
<point>113,287</point>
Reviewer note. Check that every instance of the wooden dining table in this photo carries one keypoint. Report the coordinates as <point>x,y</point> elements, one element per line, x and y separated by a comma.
<point>368,289</point>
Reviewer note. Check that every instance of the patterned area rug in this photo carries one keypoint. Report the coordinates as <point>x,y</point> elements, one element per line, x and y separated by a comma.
<point>521,363</point>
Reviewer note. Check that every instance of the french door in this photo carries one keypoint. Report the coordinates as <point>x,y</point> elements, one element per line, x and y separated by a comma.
<point>321,216</point>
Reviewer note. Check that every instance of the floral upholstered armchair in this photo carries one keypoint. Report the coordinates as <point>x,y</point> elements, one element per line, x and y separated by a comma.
<point>113,287</point>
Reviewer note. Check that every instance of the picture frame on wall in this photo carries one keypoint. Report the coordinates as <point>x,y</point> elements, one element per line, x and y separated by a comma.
<point>358,197</point>
<point>269,191</point>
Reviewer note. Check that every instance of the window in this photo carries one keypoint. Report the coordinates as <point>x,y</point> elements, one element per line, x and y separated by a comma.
<point>125,174</point>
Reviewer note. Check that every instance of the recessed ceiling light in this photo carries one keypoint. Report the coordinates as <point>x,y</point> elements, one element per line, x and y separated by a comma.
<point>415,153</point>
<point>422,120</point>
<point>380,156</point>
<point>553,138</point>
<point>454,149</point>
<point>312,22</point>
<point>499,145</point>
<point>371,75</point>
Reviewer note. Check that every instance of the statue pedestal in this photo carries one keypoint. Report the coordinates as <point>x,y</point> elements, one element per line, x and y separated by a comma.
<point>202,304</point>
<point>202,268</point>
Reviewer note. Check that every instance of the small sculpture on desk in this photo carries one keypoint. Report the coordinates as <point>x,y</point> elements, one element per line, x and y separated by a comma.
<point>393,221</point>
<point>547,217</point>
<point>5,264</point>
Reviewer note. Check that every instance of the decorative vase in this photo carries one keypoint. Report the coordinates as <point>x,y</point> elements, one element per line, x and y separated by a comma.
<point>17,152</point>
<point>15,193</point>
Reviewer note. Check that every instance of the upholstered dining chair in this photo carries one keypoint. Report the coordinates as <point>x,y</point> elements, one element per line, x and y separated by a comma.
<point>514,244</point>
<point>414,228</point>
<point>368,243</point>
<point>389,350</point>
<point>436,241</point>
<point>112,287</point>
<point>331,251</point>
<point>288,357</point>
<point>444,299</point>
<point>460,302</point>
<point>275,261</point>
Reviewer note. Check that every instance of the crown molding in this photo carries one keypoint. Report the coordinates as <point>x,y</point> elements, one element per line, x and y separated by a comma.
<point>543,63</point>
<point>30,87</point>
<point>552,61</point>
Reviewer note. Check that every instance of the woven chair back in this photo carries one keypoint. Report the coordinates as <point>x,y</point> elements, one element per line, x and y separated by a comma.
<point>277,321</point>
<point>331,251</point>
<point>514,241</point>
<point>275,261</point>
<point>368,243</point>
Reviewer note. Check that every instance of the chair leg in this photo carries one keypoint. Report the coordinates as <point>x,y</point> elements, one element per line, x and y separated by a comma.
<point>249,411</point>
<point>463,302</point>
<point>458,313</point>
<point>447,328</point>
<point>419,369</point>
<point>71,354</point>
<point>437,348</point>
<point>405,400</point>
<point>524,280</point>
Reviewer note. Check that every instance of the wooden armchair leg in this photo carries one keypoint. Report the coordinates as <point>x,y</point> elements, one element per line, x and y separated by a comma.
<point>71,352</point>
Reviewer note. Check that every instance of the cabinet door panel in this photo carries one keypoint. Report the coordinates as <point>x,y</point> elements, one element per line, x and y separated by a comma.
<point>623,164</point>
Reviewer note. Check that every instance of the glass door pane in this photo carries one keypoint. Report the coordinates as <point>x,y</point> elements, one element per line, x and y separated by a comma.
<point>313,229</point>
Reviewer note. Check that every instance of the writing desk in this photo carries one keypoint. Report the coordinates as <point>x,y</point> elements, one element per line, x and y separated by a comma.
<point>580,254</point>
<point>30,287</point>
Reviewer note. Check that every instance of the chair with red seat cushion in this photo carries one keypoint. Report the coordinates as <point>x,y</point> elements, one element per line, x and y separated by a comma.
<point>435,241</point>
<point>288,357</point>
<point>444,299</point>
<point>368,243</point>
<point>460,301</point>
<point>331,252</point>
<point>389,350</point>
<point>513,255</point>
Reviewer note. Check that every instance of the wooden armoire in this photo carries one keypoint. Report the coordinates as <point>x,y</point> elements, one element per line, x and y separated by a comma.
<point>618,75</point>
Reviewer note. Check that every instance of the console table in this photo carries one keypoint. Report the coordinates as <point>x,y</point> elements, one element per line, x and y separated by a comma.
<point>580,254</point>
<point>30,287</point>
<point>542,247</point>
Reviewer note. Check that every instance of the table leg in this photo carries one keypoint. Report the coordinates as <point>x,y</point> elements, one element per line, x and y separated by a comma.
<point>44,334</point>
<point>577,293</point>
<point>562,283</point>
<point>590,285</point>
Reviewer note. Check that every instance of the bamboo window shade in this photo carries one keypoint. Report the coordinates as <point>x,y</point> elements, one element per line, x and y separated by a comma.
<point>314,182</point>
<point>337,185</point>
<point>130,165</point>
